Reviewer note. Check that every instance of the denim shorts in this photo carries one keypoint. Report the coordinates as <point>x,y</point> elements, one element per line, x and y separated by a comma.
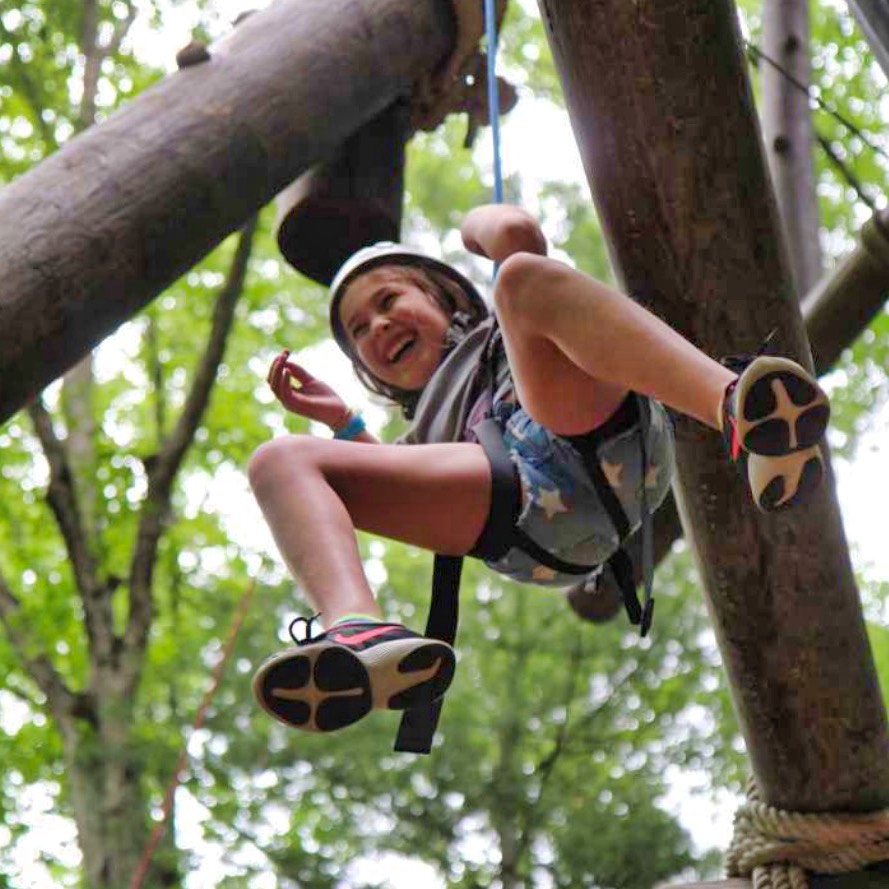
<point>561,510</point>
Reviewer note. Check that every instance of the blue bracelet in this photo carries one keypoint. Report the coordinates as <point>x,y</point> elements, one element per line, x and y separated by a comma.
<point>352,429</point>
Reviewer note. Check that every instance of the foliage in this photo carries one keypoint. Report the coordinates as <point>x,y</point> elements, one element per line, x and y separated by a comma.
<point>555,741</point>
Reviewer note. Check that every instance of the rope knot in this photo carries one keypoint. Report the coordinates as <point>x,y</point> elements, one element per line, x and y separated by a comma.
<point>775,848</point>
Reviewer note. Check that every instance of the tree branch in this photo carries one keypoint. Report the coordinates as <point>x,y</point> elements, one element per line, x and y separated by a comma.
<point>95,54</point>
<point>531,814</point>
<point>61,495</point>
<point>92,63</point>
<point>845,171</point>
<point>29,90</point>
<point>60,699</point>
<point>163,467</point>
<point>121,29</point>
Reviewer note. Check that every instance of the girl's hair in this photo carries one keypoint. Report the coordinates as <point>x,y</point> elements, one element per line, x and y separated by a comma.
<point>465,314</point>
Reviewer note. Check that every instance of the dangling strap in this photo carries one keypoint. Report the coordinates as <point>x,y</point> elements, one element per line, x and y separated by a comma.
<point>647,528</point>
<point>418,725</point>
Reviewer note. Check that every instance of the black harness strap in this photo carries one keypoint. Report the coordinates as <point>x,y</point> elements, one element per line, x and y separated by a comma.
<point>418,725</point>
<point>634,407</point>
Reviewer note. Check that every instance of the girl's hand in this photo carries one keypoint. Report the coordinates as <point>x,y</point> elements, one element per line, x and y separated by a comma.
<point>302,394</point>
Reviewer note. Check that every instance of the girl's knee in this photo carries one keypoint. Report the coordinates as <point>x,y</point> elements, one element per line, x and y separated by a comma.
<point>522,283</point>
<point>286,455</point>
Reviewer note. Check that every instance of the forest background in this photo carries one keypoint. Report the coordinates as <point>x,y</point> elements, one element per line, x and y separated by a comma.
<point>562,743</point>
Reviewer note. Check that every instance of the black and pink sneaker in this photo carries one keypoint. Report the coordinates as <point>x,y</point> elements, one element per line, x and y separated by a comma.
<point>773,419</point>
<point>334,679</point>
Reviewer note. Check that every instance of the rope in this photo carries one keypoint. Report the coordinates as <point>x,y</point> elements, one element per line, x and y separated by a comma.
<point>493,96</point>
<point>775,848</point>
<point>157,833</point>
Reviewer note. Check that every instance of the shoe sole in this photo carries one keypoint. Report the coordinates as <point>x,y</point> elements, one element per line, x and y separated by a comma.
<point>325,686</point>
<point>779,483</point>
<point>780,408</point>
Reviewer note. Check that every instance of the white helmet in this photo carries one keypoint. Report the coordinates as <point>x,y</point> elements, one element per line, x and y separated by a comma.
<point>390,253</point>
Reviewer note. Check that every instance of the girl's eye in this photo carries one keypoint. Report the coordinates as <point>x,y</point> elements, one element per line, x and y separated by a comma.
<point>359,331</point>
<point>387,300</point>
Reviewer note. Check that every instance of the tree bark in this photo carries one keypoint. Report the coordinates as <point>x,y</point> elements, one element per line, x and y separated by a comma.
<point>664,118</point>
<point>93,233</point>
<point>787,132</point>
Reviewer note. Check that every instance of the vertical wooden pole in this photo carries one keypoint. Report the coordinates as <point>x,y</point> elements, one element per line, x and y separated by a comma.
<point>664,118</point>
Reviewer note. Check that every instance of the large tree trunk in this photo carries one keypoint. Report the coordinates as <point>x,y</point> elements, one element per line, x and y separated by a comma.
<point>90,235</point>
<point>664,117</point>
<point>787,132</point>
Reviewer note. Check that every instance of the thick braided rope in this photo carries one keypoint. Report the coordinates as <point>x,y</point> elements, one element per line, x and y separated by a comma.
<point>775,848</point>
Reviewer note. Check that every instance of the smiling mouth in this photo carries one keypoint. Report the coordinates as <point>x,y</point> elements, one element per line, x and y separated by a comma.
<point>402,350</point>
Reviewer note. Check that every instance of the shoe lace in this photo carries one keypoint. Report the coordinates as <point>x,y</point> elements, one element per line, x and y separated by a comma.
<point>306,623</point>
<point>738,363</point>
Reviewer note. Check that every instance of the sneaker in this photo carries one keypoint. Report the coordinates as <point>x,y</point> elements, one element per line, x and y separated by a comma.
<point>334,679</point>
<point>773,419</point>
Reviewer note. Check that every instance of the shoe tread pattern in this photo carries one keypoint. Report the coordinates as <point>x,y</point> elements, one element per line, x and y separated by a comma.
<point>318,688</point>
<point>781,411</point>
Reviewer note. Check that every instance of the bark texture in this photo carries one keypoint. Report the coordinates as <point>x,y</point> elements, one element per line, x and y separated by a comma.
<point>664,118</point>
<point>787,132</point>
<point>94,232</point>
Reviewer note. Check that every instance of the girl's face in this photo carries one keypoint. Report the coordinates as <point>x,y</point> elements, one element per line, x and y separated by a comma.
<point>396,329</point>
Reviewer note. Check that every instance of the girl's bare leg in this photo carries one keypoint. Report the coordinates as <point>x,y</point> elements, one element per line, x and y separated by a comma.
<point>576,346</point>
<point>315,492</point>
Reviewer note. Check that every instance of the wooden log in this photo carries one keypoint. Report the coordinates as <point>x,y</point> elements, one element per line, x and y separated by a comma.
<point>94,232</point>
<point>346,203</point>
<point>839,307</point>
<point>664,118</point>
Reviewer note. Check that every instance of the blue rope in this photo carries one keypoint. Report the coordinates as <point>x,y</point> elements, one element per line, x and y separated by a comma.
<point>493,96</point>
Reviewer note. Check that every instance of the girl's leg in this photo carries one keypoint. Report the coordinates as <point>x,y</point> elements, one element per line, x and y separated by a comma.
<point>314,493</point>
<point>576,346</point>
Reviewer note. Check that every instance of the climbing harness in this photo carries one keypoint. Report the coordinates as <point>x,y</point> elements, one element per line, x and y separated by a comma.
<point>501,533</point>
<point>774,848</point>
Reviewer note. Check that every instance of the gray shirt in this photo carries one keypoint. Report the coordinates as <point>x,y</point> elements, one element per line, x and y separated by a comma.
<point>452,403</point>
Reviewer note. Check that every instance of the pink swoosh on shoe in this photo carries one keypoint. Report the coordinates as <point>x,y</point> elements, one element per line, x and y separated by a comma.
<point>358,638</point>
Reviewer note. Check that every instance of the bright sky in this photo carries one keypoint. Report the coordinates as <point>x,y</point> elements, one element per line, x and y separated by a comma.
<point>537,159</point>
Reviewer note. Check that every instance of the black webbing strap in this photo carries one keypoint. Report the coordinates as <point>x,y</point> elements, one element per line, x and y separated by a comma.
<point>635,406</point>
<point>418,725</point>
<point>498,535</point>
<point>647,526</point>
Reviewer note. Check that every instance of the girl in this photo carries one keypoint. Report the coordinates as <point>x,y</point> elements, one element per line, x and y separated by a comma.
<point>559,385</point>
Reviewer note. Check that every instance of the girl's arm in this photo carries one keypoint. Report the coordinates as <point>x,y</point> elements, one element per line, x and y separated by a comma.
<point>499,230</point>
